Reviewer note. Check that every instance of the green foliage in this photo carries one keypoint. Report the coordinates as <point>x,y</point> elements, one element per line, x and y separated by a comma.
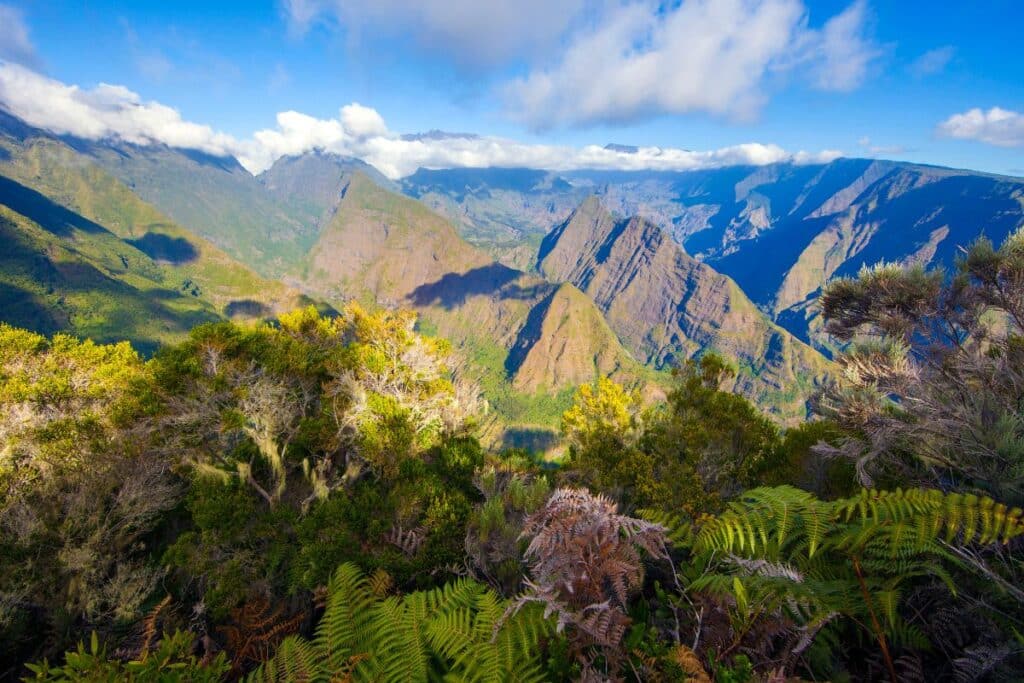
<point>778,523</point>
<point>494,543</point>
<point>782,554</point>
<point>81,486</point>
<point>931,391</point>
<point>704,445</point>
<point>459,631</point>
<point>171,661</point>
<point>797,462</point>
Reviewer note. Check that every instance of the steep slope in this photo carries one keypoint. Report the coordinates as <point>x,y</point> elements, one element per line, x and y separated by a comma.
<point>665,306</point>
<point>310,185</point>
<point>73,275</point>
<point>527,343</point>
<point>894,213</point>
<point>212,196</point>
<point>780,231</point>
<point>381,246</point>
<point>565,342</point>
<point>55,171</point>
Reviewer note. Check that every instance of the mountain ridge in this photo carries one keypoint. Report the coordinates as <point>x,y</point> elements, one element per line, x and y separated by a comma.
<point>667,307</point>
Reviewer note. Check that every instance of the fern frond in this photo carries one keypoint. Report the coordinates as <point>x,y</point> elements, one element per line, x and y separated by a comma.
<point>454,632</point>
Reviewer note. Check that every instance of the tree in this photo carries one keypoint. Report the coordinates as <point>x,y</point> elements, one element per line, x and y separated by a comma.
<point>704,445</point>
<point>301,408</point>
<point>932,390</point>
<point>80,486</point>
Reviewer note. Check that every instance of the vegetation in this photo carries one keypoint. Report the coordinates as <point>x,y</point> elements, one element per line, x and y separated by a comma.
<point>459,631</point>
<point>307,500</point>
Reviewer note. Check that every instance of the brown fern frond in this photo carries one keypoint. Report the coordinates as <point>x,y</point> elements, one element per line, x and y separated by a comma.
<point>345,672</point>
<point>585,561</point>
<point>256,631</point>
<point>149,625</point>
<point>690,663</point>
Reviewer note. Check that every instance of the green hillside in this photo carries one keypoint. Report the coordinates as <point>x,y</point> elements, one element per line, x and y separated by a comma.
<point>74,276</point>
<point>55,170</point>
<point>383,248</point>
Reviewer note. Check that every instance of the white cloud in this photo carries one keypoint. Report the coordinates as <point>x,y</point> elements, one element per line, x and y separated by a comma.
<point>113,111</point>
<point>932,62</point>
<point>698,55</point>
<point>360,132</point>
<point>102,112</point>
<point>15,45</point>
<point>840,53</point>
<point>472,32</point>
<point>997,126</point>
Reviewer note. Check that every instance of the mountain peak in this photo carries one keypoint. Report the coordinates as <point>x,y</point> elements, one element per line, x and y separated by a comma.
<point>665,306</point>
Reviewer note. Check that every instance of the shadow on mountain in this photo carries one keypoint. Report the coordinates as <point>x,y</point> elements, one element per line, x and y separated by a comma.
<point>528,336</point>
<point>160,247</point>
<point>247,308</point>
<point>453,289</point>
<point>223,163</point>
<point>24,309</point>
<point>536,439</point>
<point>4,155</point>
<point>51,217</point>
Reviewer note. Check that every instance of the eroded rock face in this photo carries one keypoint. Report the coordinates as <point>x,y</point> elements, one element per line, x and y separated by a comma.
<point>666,306</point>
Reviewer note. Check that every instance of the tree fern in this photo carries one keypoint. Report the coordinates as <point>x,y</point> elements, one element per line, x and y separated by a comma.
<point>455,632</point>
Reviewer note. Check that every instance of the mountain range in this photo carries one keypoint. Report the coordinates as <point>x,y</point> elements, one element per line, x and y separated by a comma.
<point>541,280</point>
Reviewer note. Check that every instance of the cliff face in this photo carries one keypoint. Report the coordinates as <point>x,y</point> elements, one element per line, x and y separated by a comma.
<point>381,246</point>
<point>780,231</point>
<point>566,342</point>
<point>525,341</point>
<point>898,213</point>
<point>665,306</point>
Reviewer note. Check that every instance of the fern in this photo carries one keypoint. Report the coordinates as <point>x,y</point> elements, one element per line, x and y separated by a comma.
<point>772,521</point>
<point>455,632</point>
<point>782,551</point>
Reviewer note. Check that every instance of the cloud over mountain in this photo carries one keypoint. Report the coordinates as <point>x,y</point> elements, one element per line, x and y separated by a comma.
<point>997,126</point>
<point>106,111</point>
<point>115,112</point>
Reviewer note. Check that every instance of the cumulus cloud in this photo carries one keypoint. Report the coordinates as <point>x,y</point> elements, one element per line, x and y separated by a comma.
<point>15,45</point>
<point>695,56</point>
<point>932,62</point>
<point>106,111</point>
<point>360,132</point>
<point>474,33</point>
<point>997,126</point>
<point>115,112</point>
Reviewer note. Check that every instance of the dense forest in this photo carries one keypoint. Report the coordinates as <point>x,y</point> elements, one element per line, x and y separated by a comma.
<point>307,499</point>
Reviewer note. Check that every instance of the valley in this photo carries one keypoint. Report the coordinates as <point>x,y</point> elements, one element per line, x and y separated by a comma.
<point>541,281</point>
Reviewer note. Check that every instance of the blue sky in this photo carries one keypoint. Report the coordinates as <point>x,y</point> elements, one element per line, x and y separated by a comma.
<point>935,83</point>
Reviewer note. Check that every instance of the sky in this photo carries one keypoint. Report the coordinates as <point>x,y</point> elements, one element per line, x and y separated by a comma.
<point>539,83</point>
